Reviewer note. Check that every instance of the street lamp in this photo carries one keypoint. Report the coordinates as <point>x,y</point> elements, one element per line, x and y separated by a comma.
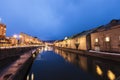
<point>65,38</point>
<point>15,36</point>
<point>15,41</point>
<point>20,39</point>
<point>20,36</point>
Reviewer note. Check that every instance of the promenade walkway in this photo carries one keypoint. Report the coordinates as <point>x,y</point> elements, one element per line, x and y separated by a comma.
<point>11,70</point>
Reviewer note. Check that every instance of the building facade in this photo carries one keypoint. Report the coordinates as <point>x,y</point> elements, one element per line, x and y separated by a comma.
<point>26,39</point>
<point>107,38</point>
<point>80,41</point>
<point>3,40</point>
<point>103,38</point>
<point>2,30</point>
<point>13,41</point>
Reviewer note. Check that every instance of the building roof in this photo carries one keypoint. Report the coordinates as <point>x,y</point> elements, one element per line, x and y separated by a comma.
<point>1,24</point>
<point>87,32</point>
<point>58,41</point>
<point>113,23</point>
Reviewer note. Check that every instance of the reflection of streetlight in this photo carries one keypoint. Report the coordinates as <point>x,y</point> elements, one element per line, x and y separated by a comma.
<point>99,70</point>
<point>111,75</point>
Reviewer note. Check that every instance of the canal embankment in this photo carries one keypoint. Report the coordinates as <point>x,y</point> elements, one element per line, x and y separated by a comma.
<point>104,55</point>
<point>17,70</point>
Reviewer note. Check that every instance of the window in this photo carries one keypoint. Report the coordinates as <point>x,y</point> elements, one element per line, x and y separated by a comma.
<point>5,29</point>
<point>96,40</point>
<point>4,34</point>
<point>107,39</point>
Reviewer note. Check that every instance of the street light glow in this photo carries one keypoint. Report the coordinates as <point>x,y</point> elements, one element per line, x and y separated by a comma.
<point>66,38</point>
<point>20,36</point>
<point>15,36</point>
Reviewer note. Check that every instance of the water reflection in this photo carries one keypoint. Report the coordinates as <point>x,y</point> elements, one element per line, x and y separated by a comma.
<point>102,69</point>
<point>48,48</point>
<point>111,75</point>
<point>99,70</point>
<point>30,77</point>
<point>61,65</point>
<point>27,77</point>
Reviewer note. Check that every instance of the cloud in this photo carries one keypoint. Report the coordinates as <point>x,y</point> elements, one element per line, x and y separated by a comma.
<point>57,17</point>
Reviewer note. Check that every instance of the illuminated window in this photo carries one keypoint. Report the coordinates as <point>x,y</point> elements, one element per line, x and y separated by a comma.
<point>107,39</point>
<point>96,40</point>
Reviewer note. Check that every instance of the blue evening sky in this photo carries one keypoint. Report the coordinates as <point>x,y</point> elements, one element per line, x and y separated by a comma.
<point>55,19</point>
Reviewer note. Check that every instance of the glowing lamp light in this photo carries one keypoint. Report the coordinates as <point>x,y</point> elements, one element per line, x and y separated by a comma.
<point>111,75</point>
<point>20,36</point>
<point>96,40</point>
<point>66,38</point>
<point>107,39</point>
<point>15,36</point>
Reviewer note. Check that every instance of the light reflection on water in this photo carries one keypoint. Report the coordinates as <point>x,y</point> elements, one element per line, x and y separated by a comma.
<point>104,69</point>
<point>48,63</point>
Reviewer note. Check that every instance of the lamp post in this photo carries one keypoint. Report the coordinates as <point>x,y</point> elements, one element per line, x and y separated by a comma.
<point>20,39</point>
<point>15,41</point>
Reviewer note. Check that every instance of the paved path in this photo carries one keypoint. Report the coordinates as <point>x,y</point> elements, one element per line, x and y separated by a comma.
<point>11,70</point>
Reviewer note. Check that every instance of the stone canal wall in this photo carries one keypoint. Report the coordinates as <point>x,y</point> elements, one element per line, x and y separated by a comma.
<point>10,52</point>
<point>8,56</point>
<point>103,55</point>
<point>7,61</point>
<point>16,62</point>
<point>22,72</point>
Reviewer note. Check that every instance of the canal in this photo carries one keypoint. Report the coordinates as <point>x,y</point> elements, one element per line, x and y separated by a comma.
<point>55,64</point>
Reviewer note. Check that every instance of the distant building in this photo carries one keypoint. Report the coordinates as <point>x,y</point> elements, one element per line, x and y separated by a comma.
<point>3,40</point>
<point>80,41</point>
<point>26,39</point>
<point>2,30</point>
<point>107,38</point>
<point>13,41</point>
<point>103,38</point>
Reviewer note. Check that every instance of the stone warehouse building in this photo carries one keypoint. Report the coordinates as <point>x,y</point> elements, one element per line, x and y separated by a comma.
<point>107,38</point>
<point>80,41</point>
<point>103,38</point>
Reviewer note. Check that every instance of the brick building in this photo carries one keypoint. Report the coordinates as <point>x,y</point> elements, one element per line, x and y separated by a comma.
<point>107,38</point>
<point>2,30</point>
<point>13,41</point>
<point>3,40</point>
<point>80,41</point>
<point>26,39</point>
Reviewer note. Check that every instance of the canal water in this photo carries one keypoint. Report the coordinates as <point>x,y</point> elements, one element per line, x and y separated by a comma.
<point>60,65</point>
